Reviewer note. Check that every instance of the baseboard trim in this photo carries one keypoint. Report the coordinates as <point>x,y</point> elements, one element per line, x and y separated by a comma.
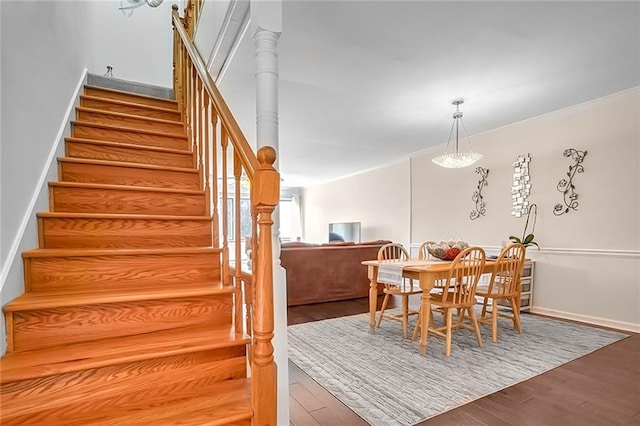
<point>130,86</point>
<point>603,322</point>
<point>13,250</point>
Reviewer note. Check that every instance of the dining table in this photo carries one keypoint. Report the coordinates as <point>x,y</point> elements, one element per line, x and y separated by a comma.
<point>426,272</point>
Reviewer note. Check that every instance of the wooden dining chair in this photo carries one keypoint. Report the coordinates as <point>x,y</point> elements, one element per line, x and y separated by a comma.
<point>458,293</point>
<point>390,252</point>
<point>423,252</point>
<point>503,286</point>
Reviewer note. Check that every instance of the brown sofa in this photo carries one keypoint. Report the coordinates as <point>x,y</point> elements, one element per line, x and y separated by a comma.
<point>327,272</point>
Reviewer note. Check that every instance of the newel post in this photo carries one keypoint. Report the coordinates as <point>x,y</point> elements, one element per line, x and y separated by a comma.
<point>266,193</point>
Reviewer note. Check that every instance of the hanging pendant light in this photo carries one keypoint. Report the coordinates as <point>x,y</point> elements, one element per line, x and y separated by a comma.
<point>127,10</point>
<point>458,158</point>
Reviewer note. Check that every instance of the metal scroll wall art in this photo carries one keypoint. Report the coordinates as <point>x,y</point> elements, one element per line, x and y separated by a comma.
<point>566,186</point>
<point>481,206</point>
<point>521,188</point>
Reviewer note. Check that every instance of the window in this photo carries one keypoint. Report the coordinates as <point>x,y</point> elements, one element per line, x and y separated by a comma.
<point>287,210</point>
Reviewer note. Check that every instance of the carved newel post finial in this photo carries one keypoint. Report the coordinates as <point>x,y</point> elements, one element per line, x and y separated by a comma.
<point>266,156</point>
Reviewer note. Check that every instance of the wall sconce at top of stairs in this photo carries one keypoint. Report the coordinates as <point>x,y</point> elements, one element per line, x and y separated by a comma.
<point>127,10</point>
<point>457,159</point>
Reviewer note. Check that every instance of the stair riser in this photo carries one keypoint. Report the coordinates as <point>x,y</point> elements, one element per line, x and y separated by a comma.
<point>122,175</point>
<point>142,111</point>
<point>130,97</point>
<point>131,155</point>
<point>81,130</point>
<point>40,329</point>
<point>100,200</point>
<point>176,128</point>
<point>87,391</point>
<point>123,233</point>
<point>152,271</point>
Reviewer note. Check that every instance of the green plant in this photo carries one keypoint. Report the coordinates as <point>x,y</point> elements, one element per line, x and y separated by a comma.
<point>527,239</point>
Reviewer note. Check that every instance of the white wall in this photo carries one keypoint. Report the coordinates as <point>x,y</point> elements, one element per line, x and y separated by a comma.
<point>139,47</point>
<point>210,22</point>
<point>379,199</point>
<point>46,47</point>
<point>607,129</point>
<point>585,253</point>
<point>43,60</point>
<point>589,265</point>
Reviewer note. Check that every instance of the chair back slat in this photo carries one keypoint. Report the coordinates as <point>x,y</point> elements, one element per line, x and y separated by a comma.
<point>506,277</point>
<point>464,275</point>
<point>423,252</point>
<point>393,251</point>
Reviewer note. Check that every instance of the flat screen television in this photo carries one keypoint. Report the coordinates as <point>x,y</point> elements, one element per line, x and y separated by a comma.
<point>344,231</point>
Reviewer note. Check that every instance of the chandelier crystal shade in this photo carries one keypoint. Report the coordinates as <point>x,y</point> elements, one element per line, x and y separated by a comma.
<point>457,158</point>
<point>127,9</point>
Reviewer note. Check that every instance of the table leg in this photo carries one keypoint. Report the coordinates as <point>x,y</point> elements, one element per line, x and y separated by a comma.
<point>425,309</point>
<point>373,298</point>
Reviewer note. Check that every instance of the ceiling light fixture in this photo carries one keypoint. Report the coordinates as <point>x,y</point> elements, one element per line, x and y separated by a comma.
<point>134,4</point>
<point>457,159</point>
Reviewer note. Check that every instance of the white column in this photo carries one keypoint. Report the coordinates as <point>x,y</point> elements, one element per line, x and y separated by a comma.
<point>267,126</point>
<point>267,88</point>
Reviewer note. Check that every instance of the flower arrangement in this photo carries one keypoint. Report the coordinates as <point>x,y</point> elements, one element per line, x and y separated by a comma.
<point>527,239</point>
<point>447,250</point>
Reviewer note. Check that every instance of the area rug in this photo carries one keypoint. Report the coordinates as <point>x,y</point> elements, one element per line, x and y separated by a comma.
<point>384,380</point>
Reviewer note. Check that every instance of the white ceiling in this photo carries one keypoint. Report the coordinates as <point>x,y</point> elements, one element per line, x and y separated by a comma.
<point>366,83</point>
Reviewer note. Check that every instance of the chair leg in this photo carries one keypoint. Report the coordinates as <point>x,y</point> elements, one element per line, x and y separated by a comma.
<point>414,336</point>
<point>472,314</point>
<point>461,315</point>
<point>385,301</point>
<point>484,308</point>
<point>448,320</point>
<point>405,315</point>
<point>494,321</point>
<point>516,315</point>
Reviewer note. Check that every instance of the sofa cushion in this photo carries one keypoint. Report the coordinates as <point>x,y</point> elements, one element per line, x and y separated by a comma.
<point>338,243</point>
<point>298,244</point>
<point>375,242</point>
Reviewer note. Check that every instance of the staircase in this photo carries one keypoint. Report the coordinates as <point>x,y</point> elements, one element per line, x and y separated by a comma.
<point>125,319</point>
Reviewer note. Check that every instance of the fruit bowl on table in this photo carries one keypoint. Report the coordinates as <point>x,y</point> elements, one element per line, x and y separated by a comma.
<point>447,250</point>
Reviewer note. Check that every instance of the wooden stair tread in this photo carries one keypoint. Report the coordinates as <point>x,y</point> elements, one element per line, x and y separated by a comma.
<point>126,164</point>
<point>116,350</point>
<point>233,409</point>
<point>62,184</point>
<point>128,129</point>
<point>59,252</point>
<point>55,299</point>
<point>121,102</point>
<point>128,145</point>
<point>65,215</point>
<point>183,401</point>
<point>125,115</point>
<point>137,95</point>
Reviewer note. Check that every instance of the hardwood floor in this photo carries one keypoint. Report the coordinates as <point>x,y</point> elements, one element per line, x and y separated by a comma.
<point>602,388</point>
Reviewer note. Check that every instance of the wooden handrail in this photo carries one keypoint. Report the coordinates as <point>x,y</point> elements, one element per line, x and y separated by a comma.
<point>215,136</point>
<point>237,137</point>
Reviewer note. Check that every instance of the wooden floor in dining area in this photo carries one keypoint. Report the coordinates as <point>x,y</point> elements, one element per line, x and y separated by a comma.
<point>602,388</point>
